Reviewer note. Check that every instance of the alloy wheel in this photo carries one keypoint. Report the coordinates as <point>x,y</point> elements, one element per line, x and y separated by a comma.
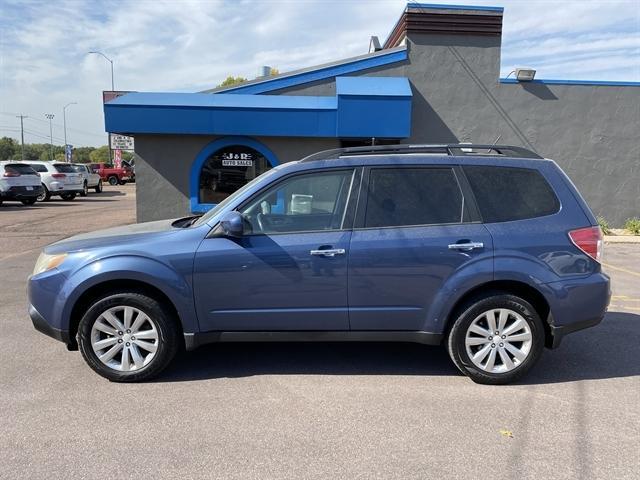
<point>498,340</point>
<point>124,338</point>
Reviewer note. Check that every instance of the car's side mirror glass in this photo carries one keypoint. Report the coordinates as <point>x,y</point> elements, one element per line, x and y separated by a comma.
<point>232,224</point>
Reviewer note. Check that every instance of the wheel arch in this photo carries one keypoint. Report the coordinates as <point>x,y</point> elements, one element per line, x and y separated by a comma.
<point>513,287</point>
<point>112,286</point>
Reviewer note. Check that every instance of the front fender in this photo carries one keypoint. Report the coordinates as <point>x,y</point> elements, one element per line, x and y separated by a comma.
<point>128,267</point>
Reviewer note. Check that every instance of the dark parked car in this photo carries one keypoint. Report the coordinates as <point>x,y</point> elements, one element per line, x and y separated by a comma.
<point>489,250</point>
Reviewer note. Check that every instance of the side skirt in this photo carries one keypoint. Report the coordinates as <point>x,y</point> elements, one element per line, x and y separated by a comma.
<point>194,340</point>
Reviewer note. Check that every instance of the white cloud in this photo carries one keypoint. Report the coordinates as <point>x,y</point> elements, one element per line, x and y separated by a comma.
<point>184,45</point>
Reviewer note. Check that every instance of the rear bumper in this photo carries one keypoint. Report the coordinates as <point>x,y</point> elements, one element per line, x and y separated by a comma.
<point>21,193</point>
<point>576,304</point>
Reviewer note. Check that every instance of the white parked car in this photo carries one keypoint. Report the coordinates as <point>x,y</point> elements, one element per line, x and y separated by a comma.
<point>19,182</point>
<point>57,179</point>
<point>90,179</point>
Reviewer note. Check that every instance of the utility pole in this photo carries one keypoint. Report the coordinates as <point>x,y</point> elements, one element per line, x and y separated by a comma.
<point>50,117</point>
<point>22,117</point>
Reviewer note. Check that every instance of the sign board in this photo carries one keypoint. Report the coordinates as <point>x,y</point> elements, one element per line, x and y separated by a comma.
<point>121,142</point>
<point>237,163</point>
<point>117,158</point>
<point>232,159</point>
<point>68,153</point>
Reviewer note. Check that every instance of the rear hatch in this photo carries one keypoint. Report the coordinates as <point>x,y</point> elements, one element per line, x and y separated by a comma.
<point>71,178</point>
<point>19,175</point>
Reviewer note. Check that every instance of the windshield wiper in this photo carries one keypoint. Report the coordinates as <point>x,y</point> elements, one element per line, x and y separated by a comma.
<point>186,221</point>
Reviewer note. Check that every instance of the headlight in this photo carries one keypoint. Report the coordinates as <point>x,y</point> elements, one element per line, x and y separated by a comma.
<point>47,262</point>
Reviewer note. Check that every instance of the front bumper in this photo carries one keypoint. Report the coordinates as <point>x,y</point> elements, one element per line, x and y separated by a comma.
<point>21,193</point>
<point>40,324</point>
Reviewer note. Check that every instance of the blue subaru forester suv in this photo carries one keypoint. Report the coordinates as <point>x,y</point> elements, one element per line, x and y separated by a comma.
<point>489,250</point>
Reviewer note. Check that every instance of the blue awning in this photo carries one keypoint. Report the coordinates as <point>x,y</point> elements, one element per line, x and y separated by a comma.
<point>363,107</point>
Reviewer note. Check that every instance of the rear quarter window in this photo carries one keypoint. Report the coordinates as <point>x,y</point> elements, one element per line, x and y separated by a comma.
<point>506,193</point>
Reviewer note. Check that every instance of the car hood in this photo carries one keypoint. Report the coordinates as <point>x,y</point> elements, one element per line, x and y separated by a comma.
<point>113,236</point>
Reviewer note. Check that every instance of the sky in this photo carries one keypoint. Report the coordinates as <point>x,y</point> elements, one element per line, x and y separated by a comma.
<point>188,46</point>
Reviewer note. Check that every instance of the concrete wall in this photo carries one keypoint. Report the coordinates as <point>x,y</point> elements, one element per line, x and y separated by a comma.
<point>163,167</point>
<point>592,131</point>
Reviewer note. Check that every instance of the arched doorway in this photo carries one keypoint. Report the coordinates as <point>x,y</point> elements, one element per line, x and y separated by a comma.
<point>224,166</point>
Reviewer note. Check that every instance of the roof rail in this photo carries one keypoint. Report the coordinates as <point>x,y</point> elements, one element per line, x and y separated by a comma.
<point>451,149</point>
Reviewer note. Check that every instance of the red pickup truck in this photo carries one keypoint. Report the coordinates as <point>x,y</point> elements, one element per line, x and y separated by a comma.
<point>109,173</point>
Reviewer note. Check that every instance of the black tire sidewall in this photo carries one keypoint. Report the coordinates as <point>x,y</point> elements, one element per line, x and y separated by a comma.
<point>113,181</point>
<point>166,326</point>
<point>456,339</point>
<point>98,187</point>
<point>85,190</point>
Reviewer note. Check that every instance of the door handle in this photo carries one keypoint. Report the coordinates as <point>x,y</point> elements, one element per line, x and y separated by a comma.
<point>328,253</point>
<point>466,247</point>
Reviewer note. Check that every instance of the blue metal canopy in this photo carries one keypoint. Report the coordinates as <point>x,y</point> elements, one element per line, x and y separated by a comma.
<point>363,107</point>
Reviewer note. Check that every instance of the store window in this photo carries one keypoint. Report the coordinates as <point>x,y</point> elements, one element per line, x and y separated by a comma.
<point>228,169</point>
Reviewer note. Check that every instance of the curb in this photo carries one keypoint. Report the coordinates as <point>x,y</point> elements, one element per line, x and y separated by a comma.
<point>630,239</point>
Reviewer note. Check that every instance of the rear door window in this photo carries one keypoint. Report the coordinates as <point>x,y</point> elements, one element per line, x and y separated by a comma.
<point>19,168</point>
<point>505,193</point>
<point>413,196</point>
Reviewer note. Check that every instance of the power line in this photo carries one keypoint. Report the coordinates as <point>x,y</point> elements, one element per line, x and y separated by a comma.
<point>77,130</point>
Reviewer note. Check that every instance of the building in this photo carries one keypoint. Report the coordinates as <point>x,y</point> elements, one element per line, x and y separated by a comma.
<point>435,80</point>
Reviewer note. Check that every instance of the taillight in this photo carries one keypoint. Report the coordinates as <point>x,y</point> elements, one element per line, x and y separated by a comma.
<point>11,174</point>
<point>58,175</point>
<point>589,240</point>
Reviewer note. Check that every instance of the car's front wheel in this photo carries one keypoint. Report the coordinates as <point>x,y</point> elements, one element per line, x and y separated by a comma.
<point>496,339</point>
<point>85,189</point>
<point>128,337</point>
<point>98,187</point>
<point>45,195</point>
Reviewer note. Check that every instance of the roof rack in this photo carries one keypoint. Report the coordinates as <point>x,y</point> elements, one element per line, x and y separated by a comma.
<point>452,149</point>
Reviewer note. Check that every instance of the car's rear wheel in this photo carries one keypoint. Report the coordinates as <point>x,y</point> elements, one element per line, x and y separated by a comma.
<point>85,189</point>
<point>496,339</point>
<point>67,197</point>
<point>28,201</point>
<point>98,187</point>
<point>113,180</point>
<point>128,337</point>
<point>45,196</point>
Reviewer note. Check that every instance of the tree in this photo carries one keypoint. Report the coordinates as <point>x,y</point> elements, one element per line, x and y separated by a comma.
<point>231,80</point>
<point>81,154</point>
<point>9,149</point>
<point>100,155</point>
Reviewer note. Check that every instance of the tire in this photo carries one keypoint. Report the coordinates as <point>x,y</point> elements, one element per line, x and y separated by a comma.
<point>469,339</point>
<point>85,189</point>
<point>45,196</point>
<point>113,180</point>
<point>67,197</point>
<point>122,182</point>
<point>98,188</point>
<point>148,363</point>
<point>29,201</point>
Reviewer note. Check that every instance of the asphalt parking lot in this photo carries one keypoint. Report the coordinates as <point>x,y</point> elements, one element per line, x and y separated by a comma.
<point>257,411</point>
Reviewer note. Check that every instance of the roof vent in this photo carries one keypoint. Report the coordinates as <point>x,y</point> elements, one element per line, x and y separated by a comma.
<point>374,44</point>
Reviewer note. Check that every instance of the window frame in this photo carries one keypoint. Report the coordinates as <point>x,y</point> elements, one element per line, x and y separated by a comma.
<point>350,206</point>
<point>471,211</point>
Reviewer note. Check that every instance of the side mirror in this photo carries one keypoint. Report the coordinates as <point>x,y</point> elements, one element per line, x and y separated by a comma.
<point>232,224</point>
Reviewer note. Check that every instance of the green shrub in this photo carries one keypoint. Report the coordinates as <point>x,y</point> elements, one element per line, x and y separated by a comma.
<point>604,226</point>
<point>633,225</point>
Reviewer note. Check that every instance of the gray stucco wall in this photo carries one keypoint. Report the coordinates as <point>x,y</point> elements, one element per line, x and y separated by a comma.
<point>163,167</point>
<point>593,132</point>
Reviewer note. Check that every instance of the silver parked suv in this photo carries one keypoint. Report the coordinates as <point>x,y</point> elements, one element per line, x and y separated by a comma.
<point>58,179</point>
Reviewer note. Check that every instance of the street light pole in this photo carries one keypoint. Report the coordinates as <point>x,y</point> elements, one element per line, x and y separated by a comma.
<point>50,117</point>
<point>22,117</point>
<point>64,121</point>
<point>108,60</point>
<point>113,88</point>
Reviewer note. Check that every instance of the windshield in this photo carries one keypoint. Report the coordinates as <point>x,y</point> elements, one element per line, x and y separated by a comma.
<point>214,211</point>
